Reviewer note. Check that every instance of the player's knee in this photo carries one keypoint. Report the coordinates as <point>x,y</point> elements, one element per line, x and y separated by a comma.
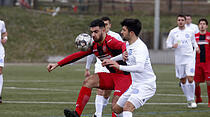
<point>183,80</point>
<point>129,107</point>
<point>100,92</point>
<point>117,109</point>
<point>190,79</point>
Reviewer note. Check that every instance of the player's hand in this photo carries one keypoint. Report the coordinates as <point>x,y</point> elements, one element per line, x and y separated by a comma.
<point>175,45</point>
<point>125,55</point>
<point>51,66</point>
<point>3,41</point>
<point>87,73</point>
<point>198,50</point>
<point>110,63</point>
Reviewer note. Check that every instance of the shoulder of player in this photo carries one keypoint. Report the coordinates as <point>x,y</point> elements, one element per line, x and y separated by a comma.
<point>110,38</point>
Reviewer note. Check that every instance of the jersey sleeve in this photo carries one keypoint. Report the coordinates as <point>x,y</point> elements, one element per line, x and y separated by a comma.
<point>194,43</point>
<point>89,61</point>
<point>3,30</point>
<point>74,57</point>
<point>117,58</point>
<point>169,41</point>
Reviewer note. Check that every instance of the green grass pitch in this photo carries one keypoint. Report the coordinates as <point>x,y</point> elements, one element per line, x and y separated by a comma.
<point>30,91</point>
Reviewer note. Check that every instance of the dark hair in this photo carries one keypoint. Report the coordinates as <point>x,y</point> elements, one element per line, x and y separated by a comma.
<point>180,15</point>
<point>132,25</point>
<point>188,15</point>
<point>203,19</point>
<point>106,19</point>
<point>97,22</point>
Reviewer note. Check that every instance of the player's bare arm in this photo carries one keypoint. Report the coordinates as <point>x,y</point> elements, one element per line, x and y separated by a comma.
<point>51,66</point>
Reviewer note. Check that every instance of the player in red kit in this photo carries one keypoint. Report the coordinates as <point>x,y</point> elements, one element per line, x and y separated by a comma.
<point>104,47</point>
<point>202,67</point>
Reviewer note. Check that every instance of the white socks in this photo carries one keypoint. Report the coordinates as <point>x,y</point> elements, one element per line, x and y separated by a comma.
<point>189,90</point>
<point>127,114</point>
<point>1,83</point>
<point>100,104</point>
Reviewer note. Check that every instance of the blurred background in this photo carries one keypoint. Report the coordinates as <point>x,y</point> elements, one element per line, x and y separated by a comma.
<point>44,30</point>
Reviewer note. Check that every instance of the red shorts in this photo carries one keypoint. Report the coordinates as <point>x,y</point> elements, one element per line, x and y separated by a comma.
<point>202,72</point>
<point>113,81</point>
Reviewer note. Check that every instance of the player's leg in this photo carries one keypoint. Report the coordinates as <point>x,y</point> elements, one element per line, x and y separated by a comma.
<point>199,77</point>
<point>198,93</point>
<point>190,72</point>
<point>208,91</point>
<point>139,96</point>
<point>101,100</point>
<point>1,75</point>
<point>122,83</point>
<point>84,95</point>
<point>1,83</point>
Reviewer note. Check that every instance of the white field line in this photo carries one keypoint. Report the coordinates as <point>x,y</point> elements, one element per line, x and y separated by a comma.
<point>65,90</point>
<point>38,102</point>
<point>72,81</point>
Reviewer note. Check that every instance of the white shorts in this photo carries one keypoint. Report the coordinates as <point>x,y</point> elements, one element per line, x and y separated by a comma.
<point>137,96</point>
<point>2,60</point>
<point>185,70</point>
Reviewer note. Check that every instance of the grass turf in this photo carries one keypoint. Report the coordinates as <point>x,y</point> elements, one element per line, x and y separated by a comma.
<point>30,91</point>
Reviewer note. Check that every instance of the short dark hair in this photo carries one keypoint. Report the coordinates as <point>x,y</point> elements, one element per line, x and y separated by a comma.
<point>188,15</point>
<point>132,25</point>
<point>97,22</point>
<point>203,19</point>
<point>106,19</point>
<point>180,15</point>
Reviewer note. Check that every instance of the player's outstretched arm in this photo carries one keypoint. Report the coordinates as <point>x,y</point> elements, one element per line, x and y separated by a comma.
<point>51,66</point>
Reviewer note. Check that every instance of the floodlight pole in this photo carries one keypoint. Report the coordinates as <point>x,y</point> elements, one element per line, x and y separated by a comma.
<point>156,24</point>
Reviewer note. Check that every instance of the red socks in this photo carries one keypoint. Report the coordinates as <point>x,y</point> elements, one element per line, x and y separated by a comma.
<point>208,91</point>
<point>198,91</point>
<point>82,99</point>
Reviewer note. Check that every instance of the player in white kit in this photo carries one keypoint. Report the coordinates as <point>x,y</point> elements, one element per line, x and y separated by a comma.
<point>3,37</point>
<point>102,97</point>
<point>182,39</point>
<point>190,25</point>
<point>143,85</point>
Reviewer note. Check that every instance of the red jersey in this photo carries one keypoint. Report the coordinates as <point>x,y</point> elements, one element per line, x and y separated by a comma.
<point>203,41</point>
<point>110,47</point>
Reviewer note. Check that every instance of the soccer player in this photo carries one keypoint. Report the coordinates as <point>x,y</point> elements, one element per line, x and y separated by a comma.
<point>182,39</point>
<point>3,37</point>
<point>104,46</point>
<point>190,25</point>
<point>102,97</point>
<point>143,85</point>
<point>202,66</point>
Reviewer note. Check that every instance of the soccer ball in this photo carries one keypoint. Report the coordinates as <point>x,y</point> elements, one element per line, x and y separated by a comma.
<point>83,41</point>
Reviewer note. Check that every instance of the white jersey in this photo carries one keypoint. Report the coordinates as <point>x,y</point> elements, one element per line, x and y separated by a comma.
<point>98,66</point>
<point>2,30</point>
<point>139,65</point>
<point>193,27</point>
<point>186,40</point>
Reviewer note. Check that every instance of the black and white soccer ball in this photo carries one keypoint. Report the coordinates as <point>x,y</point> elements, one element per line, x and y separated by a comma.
<point>83,41</point>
